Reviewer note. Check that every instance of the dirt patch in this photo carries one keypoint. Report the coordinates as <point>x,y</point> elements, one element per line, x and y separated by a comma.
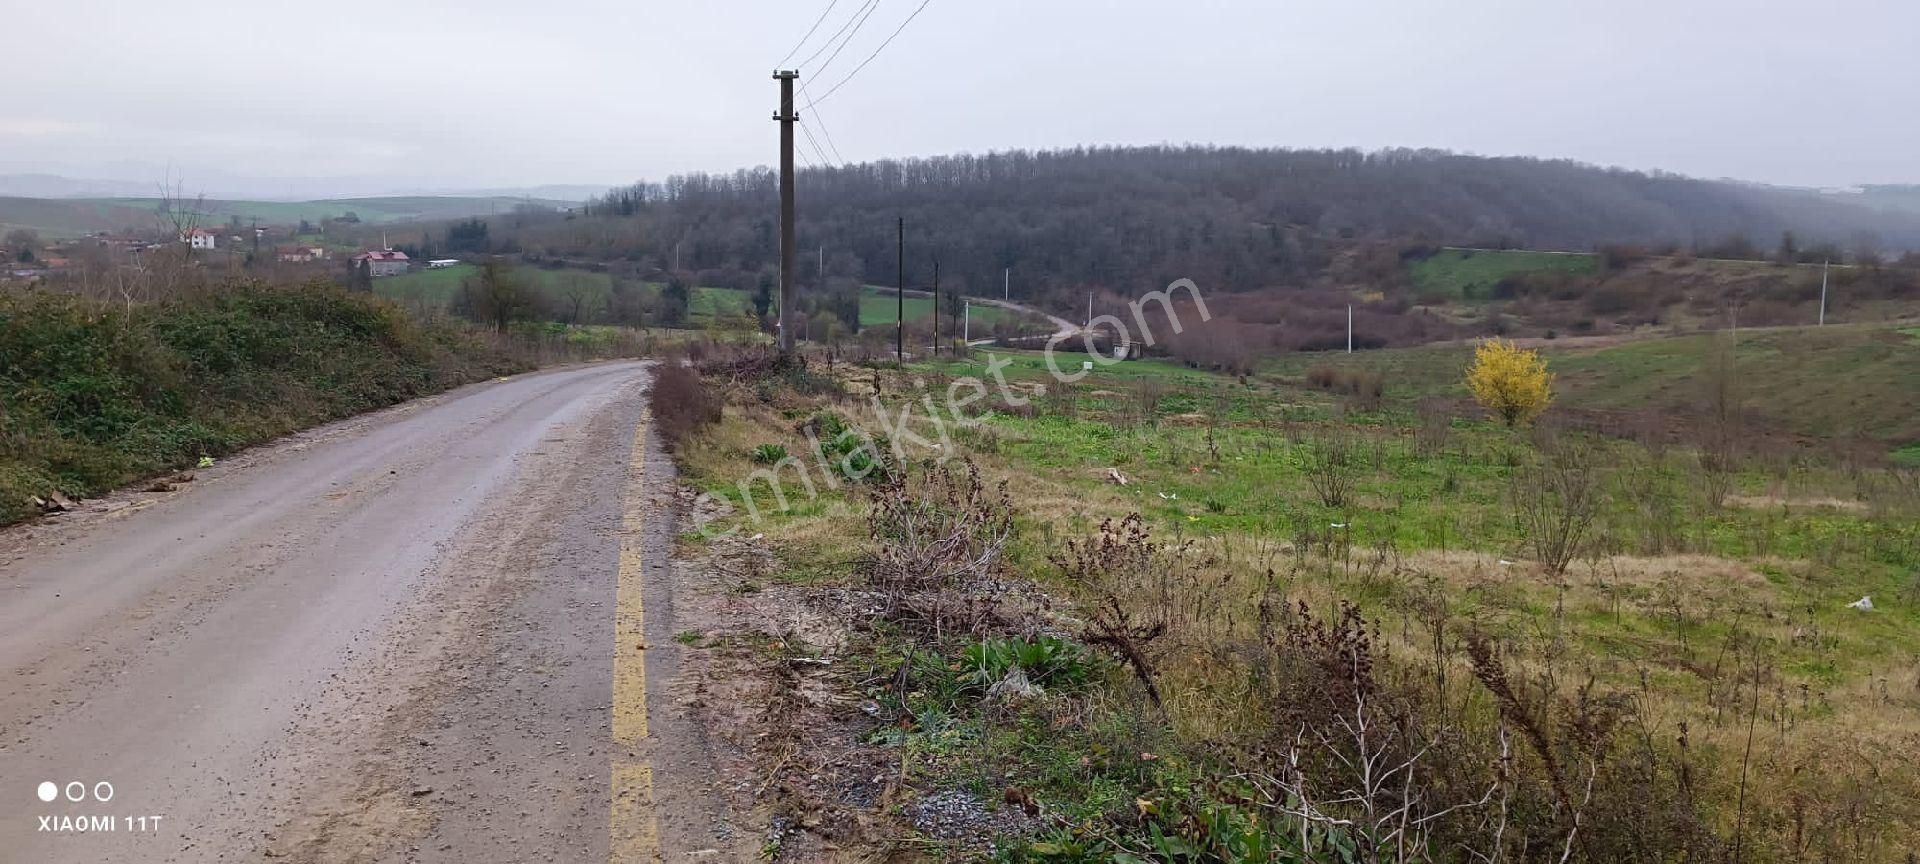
<point>764,674</point>
<point>1701,571</point>
<point>1778,502</point>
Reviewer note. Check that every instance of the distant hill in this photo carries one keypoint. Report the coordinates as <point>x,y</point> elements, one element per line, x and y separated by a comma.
<point>56,217</point>
<point>1237,219</point>
<point>1904,197</point>
<point>133,180</point>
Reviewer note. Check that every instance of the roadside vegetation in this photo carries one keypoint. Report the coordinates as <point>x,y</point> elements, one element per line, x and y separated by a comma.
<point>95,395</point>
<point>1168,615</point>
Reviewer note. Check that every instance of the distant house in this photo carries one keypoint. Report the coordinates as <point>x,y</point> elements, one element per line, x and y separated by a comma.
<point>300,254</point>
<point>119,242</point>
<point>442,263</point>
<point>201,238</point>
<point>386,262</point>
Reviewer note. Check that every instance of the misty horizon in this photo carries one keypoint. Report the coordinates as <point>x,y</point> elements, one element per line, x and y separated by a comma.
<point>500,96</point>
<point>131,180</point>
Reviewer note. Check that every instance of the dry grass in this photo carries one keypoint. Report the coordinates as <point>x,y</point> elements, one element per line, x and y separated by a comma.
<point>1694,642</point>
<point>1778,502</point>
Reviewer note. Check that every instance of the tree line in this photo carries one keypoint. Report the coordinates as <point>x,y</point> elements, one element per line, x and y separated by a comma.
<point>1125,219</point>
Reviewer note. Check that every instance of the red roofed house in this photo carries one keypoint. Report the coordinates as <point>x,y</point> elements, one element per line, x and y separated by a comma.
<point>386,262</point>
<point>200,238</point>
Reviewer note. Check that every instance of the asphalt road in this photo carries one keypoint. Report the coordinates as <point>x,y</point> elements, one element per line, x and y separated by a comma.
<point>388,639</point>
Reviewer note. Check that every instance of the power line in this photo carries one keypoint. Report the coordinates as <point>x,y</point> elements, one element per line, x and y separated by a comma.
<point>857,20</point>
<point>865,7</point>
<point>802,153</point>
<point>845,42</point>
<point>821,121</point>
<point>817,149</point>
<point>876,53</point>
<point>803,40</point>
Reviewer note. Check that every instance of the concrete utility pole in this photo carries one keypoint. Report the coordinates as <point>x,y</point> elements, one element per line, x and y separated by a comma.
<point>1823,290</point>
<point>1006,284</point>
<point>1349,328</point>
<point>822,273</point>
<point>966,321</point>
<point>900,299</point>
<point>787,116</point>
<point>936,307</point>
<point>676,256</point>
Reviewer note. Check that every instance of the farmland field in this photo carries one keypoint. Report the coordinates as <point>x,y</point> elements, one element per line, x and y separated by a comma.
<point>1470,275</point>
<point>880,306</point>
<point>435,289</point>
<point>1721,619</point>
<point>1853,380</point>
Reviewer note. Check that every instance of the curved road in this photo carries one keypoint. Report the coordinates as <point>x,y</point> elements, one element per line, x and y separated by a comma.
<point>393,638</point>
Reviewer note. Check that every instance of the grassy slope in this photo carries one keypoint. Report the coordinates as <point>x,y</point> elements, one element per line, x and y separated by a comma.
<point>1465,274</point>
<point>1244,488</point>
<point>881,306</point>
<point>96,396</point>
<point>1839,380</point>
<point>434,289</point>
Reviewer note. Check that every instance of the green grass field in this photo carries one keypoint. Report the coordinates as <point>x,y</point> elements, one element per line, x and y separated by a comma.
<point>1470,275</point>
<point>1675,588</point>
<point>1854,380</point>
<point>880,306</point>
<point>432,289</point>
<point>435,289</point>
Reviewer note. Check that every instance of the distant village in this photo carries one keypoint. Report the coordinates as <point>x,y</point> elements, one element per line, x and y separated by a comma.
<point>28,259</point>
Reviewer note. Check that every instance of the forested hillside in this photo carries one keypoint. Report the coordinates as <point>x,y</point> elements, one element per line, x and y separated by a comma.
<point>1235,219</point>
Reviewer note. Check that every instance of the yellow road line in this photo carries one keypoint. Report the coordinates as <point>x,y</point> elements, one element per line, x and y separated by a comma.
<point>633,830</point>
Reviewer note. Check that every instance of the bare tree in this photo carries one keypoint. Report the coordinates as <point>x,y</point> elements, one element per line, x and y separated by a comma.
<point>1333,466</point>
<point>177,214</point>
<point>1557,500</point>
<point>576,290</point>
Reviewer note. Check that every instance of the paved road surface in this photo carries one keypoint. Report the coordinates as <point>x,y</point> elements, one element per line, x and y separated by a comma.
<point>389,639</point>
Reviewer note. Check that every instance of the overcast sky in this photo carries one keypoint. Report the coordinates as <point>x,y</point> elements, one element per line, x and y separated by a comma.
<point>478,93</point>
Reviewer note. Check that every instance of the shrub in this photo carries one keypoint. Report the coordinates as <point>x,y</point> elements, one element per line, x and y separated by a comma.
<point>933,534</point>
<point>1365,389</point>
<point>1557,500</point>
<point>768,454</point>
<point>1510,381</point>
<point>1333,467</point>
<point>1136,591</point>
<point>1436,424</point>
<point>681,403</point>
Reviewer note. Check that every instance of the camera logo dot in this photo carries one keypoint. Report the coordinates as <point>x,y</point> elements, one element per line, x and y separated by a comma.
<point>48,791</point>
